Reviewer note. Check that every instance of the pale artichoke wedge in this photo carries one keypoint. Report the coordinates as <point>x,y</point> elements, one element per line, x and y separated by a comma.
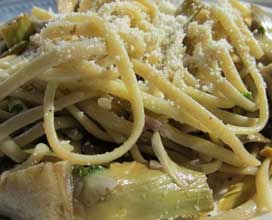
<point>17,30</point>
<point>262,29</point>
<point>237,194</point>
<point>42,192</point>
<point>132,191</point>
<point>128,191</point>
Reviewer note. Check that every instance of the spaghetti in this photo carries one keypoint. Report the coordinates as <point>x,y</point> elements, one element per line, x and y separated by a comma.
<point>109,68</point>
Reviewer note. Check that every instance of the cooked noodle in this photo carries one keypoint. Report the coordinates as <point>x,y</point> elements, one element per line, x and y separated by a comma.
<point>108,70</point>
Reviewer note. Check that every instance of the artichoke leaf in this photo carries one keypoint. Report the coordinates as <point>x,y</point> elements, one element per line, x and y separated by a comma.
<point>133,191</point>
<point>262,27</point>
<point>237,194</point>
<point>17,30</point>
<point>39,192</point>
<point>254,138</point>
<point>16,49</point>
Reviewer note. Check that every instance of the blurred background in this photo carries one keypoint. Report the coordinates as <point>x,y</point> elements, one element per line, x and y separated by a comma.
<point>11,8</point>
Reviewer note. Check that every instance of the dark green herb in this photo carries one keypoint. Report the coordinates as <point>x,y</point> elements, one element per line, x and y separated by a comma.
<point>16,106</point>
<point>82,171</point>
<point>261,30</point>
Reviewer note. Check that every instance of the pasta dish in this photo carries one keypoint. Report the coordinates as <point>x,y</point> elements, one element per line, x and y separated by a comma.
<point>136,109</point>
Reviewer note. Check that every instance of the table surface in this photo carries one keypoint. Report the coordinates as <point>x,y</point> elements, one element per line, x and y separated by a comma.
<point>11,8</point>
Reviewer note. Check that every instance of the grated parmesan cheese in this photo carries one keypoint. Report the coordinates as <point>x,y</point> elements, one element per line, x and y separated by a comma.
<point>105,102</point>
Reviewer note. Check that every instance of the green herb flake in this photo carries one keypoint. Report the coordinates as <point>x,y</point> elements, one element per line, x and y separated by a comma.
<point>248,95</point>
<point>83,171</point>
<point>16,106</point>
<point>261,30</point>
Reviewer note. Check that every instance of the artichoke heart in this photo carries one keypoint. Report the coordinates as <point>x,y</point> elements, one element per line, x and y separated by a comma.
<point>17,30</point>
<point>40,192</point>
<point>237,194</point>
<point>133,191</point>
<point>262,25</point>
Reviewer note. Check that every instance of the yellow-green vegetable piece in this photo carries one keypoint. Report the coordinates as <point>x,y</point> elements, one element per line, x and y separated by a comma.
<point>132,191</point>
<point>16,49</point>
<point>262,20</point>
<point>17,30</point>
<point>238,194</point>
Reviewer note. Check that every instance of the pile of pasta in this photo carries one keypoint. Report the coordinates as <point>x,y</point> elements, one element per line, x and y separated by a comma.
<point>142,76</point>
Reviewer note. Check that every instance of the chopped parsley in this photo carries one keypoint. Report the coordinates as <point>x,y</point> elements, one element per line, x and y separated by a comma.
<point>83,171</point>
<point>261,30</point>
<point>16,106</point>
<point>248,95</point>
